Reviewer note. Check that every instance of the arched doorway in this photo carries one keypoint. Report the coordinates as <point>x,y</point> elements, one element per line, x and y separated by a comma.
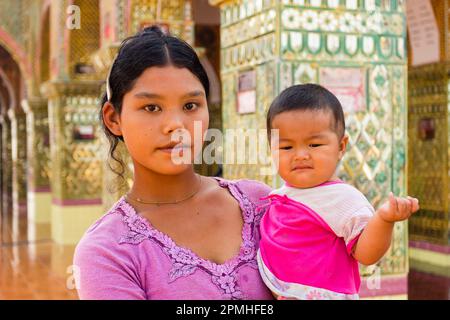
<point>13,150</point>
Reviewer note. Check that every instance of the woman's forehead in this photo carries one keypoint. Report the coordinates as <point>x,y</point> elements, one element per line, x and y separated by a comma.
<point>168,79</point>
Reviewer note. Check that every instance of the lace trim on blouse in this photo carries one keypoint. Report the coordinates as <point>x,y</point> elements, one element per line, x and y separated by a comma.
<point>184,261</point>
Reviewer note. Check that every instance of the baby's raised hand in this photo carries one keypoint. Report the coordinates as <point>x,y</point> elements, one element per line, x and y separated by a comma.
<point>398,208</point>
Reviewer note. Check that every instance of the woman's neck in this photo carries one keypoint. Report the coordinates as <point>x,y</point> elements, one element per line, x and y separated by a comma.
<point>152,186</point>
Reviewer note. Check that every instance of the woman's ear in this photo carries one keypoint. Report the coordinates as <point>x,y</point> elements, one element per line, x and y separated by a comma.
<point>111,119</point>
<point>343,146</point>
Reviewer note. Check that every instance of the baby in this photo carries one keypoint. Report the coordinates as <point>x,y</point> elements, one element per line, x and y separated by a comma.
<point>317,228</point>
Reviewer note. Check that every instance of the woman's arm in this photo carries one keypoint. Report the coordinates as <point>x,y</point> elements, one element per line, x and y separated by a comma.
<point>103,273</point>
<point>375,239</point>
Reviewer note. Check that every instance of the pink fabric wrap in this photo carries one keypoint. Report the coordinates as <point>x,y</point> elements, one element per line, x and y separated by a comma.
<point>298,246</point>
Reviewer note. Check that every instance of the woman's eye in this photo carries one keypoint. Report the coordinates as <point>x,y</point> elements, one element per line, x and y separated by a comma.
<point>190,106</point>
<point>152,108</point>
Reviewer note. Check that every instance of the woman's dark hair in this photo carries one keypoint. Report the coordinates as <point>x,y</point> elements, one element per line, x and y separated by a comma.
<point>148,48</point>
<point>311,97</point>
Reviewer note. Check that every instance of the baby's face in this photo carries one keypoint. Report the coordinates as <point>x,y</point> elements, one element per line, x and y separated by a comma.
<point>309,148</point>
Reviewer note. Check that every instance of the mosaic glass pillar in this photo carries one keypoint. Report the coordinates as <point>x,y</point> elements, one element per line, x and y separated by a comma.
<point>429,156</point>
<point>19,160</point>
<point>357,50</point>
<point>76,160</point>
<point>38,157</point>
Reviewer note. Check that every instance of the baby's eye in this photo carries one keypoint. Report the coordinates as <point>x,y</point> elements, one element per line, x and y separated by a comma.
<point>152,108</point>
<point>315,145</point>
<point>190,106</point>
<point>286,148</point>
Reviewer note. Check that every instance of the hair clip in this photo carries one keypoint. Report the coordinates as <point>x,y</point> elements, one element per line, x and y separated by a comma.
<point>108,86</point>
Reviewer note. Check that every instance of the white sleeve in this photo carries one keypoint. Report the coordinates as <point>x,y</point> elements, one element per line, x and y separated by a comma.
<point>351,225</point>
<point>343,207</point>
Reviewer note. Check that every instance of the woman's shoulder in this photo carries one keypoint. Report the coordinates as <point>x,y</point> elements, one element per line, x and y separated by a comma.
<point>105,232</point>
<point>106,268</point>
<point>109,222</point>
<point>251,189</point>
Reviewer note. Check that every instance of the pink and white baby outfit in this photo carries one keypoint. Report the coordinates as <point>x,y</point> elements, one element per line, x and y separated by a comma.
<point>307,237</point>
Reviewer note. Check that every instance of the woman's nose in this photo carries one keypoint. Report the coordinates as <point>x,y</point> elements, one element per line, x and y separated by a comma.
<point>173,122</point>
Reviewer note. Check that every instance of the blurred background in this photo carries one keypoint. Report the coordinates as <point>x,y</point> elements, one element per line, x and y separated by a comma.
<point>386,60</point>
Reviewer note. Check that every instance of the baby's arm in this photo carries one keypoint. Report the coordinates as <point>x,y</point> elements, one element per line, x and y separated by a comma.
<point>375,240</point>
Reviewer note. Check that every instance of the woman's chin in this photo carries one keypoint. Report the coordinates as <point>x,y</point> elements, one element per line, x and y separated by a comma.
<point>172,169</point>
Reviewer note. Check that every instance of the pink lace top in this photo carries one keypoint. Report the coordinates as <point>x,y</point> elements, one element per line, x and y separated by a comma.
<point>121,256</point>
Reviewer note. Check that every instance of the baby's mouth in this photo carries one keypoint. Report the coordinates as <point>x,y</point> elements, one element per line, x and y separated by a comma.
<point>302,167</point>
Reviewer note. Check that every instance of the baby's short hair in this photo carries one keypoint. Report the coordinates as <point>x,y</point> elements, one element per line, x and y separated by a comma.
<point>303,97</point>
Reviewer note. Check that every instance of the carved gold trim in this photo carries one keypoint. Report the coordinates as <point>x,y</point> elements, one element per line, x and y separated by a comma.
<point>56,89</point>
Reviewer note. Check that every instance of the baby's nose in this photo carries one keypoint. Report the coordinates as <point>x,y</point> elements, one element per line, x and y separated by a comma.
<point>302,154</point>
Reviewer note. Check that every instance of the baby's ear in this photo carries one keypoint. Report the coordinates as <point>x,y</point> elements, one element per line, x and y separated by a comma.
<point>343,146</point>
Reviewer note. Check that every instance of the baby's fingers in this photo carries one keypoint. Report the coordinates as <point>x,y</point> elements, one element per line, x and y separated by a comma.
<point>414,204</point>
<point>404,207</point>
<point>393,202</point>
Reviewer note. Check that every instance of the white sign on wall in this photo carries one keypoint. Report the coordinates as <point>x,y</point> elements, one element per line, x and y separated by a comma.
<point>246,98</point>
<point>423,32</point>
<point>348,85</point>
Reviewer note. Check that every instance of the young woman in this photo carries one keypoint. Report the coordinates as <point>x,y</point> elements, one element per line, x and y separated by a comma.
<point>175,234</point>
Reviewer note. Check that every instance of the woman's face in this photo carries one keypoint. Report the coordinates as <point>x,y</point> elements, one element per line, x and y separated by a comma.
<point>164,102</point>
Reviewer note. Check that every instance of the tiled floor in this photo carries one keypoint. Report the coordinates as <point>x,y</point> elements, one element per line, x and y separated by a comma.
<point>31,265</point>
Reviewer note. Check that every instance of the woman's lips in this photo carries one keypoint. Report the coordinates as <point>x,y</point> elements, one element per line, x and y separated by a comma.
<point>174,149</point>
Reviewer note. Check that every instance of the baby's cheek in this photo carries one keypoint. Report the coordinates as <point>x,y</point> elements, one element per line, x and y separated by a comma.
<point>285,173</point>
<point>286,162</point>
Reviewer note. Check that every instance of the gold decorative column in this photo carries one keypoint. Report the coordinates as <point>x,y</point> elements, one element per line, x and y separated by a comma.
<point>38,153</point>
<point>19,160</point>
<point>6,163</point>
<point>429,155</point>
<point>174,16</point>
<point>357,50</point>
<point>113,187</point>
<point>1,168</point>
<point>76,160</point>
